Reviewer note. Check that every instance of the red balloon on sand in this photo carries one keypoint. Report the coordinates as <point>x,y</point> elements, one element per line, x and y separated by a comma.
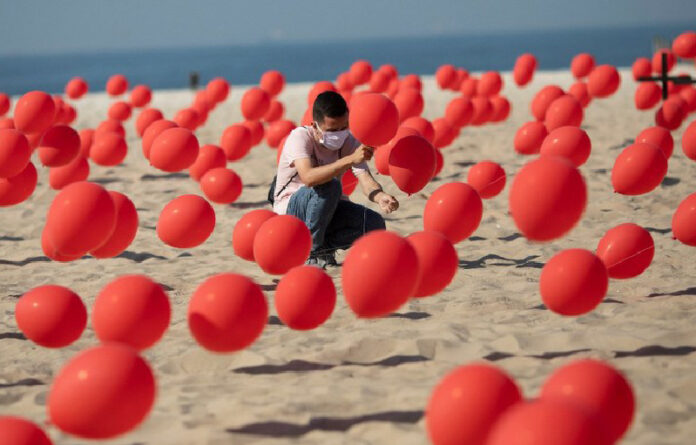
<point>582,65</point>
<point>658,136</point>
<point>236,141</point>
<point>186,221</point>
<point>639,169</point>
<point>34,112</point>
<point>102,392</point>
<point>209,157</point>
<point>255,103</point>
<point>245,231</point>
<point>281,243</point>
<point>174,150</point>
<point>547,198</point>
<point>272,82</point>
<point>684,221</point>
<point>374,119</point>
<point>116,85</point>
<point>108,149</point>
<point>59,146</point>
<point>77,170</point>
<point>221,185</point>
<point>305,298</point>
<point>19,431</point>
<point>603,81</point>
<point>627,250</point>
<point>125,230</point>
<point>524,68</point>
<point>543,99</point>
<point>51,316</point>
<point>455,210</point>
<point>487,178</point>
<point>412,163</point>
<point>564,111</point>
<point>18,188</point>
<point>227,313</point>
<point>467,402</point>
<point>437,262</point>
<point>570,142</point>
<point>530,137</point>
<point>76,88</point>
<point>14,152</point>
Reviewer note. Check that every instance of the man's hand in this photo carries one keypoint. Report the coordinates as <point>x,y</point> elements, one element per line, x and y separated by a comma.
<point>361,154</point>
<point>386,202</point>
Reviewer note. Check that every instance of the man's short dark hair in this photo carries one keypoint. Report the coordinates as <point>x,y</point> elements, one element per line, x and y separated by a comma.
<point>328,104</point>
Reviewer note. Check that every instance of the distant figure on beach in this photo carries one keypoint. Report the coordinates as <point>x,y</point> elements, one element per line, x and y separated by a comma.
<point>308,183</point>
<point>193,80</point>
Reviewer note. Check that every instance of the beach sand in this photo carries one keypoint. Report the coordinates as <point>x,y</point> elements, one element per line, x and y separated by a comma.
<point>355,381</point>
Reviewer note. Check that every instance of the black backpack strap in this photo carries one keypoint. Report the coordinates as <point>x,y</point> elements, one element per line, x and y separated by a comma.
<point>275,195</point>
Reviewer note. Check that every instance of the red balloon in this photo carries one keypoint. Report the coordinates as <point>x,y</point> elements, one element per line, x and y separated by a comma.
<point>7,123</point>
<point>689,141</point>
<point>317,89</point>
<point>257,131</point>
<point>217,89</point>
<point>380,273</point>
<point>547,198</point>
<point>642,67</point>
<point>19,187</point>
<point>437,262</point>
<point>379,81</point>
<point>547,422</point>
<point>659,137</point>
<point>543,100</point>
<point>626,250</point>
<point>571,143</point>
<point>272,82</point>
<point>564,111</point>
<point>467,402</point>
<point>657,61</point>
<point>580,92</point>
<point>4,104</point>
<point>277,131</point>
<point>374,119</point>
<point>597,387</point>
<point>281,243</point>
<point>648,94</point>
<point>221,185</point>
<point>684,221</point>
<point>140,96</point>
<point>77,170</point>
<point>689,97</point>
<point>133,310</point>
<point>604,80</point>
<point>275,111</point>
<point>116,85</point>
<point>501,109</point>
<point>382,153</point>
<point>411,81</point>
<point>81,218</point>
<point>462,75</point>
<point>120,111</point>
<point>483,110</point>
<point>525,65</point>
<point>110,126</point>
<point>459,112</point>
<point>51,316</point>
<point>530,137</point>
<point>145,118</point>
<point>18,431</point>
<point>344,82</point>
<point>188,118</point>
<point>245,231</point>
<point>152,131</point>
<point>34,112</point>
<point>305,298</point>
<point>186,221</point>
<point>108,149</point>
<point>671,114</point>
<point>445,76</point>
<point>227,313</point>
<point>174,150</point>
<point>445,133</point>
<point>684,45</point>
<point>489,84</point>
<point>582,65</point>
<point>209,157</point>
<point>412,163</point>
<point>125,230</point>
<point>59,146</point>
<point>409,102</point>
<point>360,72</point>
<point>573,282</point>
<point>422,126</point>
<point>455,210</point>
<point>439,162</point>
<point>639,169</point>
<point>102,392</point>
<point>14,152</point>
<point>255,103</point>
<point>236,142</point>
<point>487,178</point>
<point>348,182</point>
<point>76,88</point>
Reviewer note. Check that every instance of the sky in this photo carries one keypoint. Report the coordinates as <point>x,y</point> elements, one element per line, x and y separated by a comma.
<point>29,27</point>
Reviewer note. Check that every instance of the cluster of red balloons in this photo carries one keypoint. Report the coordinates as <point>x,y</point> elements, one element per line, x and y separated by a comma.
<point>586,401</point>
<point>642,166</point>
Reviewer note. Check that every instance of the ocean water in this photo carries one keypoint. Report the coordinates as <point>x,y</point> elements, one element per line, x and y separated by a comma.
<point>302,62</point>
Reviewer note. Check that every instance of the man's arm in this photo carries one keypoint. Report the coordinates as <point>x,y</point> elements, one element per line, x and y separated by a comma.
<point>313,176</point>
<point>373,191</point>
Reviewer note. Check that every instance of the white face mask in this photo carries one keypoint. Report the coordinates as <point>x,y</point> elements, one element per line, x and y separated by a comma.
<point>333,140</point>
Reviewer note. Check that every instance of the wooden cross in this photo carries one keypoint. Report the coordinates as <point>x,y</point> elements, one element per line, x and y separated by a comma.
<point>665,79</point>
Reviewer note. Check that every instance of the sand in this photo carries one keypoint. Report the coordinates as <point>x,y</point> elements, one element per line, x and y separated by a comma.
<point>357,381</point>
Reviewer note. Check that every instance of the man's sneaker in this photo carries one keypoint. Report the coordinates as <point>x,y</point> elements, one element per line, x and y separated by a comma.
<point>322,260</point>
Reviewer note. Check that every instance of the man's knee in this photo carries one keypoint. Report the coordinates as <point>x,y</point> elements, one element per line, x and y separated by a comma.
<point>374,221</point>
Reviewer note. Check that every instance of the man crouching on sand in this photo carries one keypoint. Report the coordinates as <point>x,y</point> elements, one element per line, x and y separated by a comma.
<point>308,183</point>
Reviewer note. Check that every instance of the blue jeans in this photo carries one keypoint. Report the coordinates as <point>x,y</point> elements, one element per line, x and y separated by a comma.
<point>333,223</point>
